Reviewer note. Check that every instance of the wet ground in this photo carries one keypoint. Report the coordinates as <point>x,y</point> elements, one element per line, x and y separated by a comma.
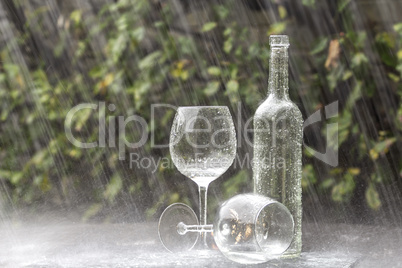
<point>137,245</point>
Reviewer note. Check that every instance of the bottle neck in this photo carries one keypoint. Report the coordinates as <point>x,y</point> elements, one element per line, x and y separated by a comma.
<point>278,73</point>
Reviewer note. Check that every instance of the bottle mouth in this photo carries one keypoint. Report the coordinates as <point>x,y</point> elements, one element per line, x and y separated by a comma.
<point>279,40</point>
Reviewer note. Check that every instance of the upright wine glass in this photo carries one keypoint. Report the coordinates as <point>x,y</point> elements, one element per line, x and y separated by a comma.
<point>203,146</point>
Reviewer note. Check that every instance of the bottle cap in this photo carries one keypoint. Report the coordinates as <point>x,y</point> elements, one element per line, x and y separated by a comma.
<point>279,40</point>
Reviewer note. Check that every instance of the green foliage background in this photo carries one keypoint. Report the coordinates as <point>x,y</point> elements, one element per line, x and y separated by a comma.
<point>136,53</point>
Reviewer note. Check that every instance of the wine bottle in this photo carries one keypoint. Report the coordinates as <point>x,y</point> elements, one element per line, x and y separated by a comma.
<point>277,166</point>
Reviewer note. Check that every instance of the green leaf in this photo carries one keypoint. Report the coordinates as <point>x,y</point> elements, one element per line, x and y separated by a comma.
<point>233,71</point>
<point>385,44</point>
<point>383,146</point>
<point>343,135</point>
<point>342,4</point>
<point>75,16</point>
<point>113,188</point>
<point>376,178</point>
<point>398,28</point>
<point>347,74</point>
<point>327,183</point>
<point>227,31</point>
<point>282,12</point>
<point>334,76</point>
<point>309,3</point>
<point>239,51</point>
<point>150,60</point>
<point>96,72</point>
<point>211,88</point>
<point>386,38</point>
<point>232,86</point>
<point>354,171</point>
<point>308,153</point>
<point>228,45</point>
<point>174,198</point>
<point>235,183</point>
<point>91,211</point>
<point>214,70</point>
<point>342,130</point>
<point>372,197</point>
<point>150,212</point>
<point>118,46</point>
<point>394,77</point>
<point>139,33</point>
<point>254,50</point>
<point>4,114</point>
<point>354,95</point>
<point>184,75</point>
<point>321,45</point>
<point>222,11</point>
<point>121,23</point>
<point>75,153</point>
<point>338,192</point>
<point>208,26</point>
<point>82,46</point>
<point>345,120</point>
<point>16,177</point>
<point>358,59</point>
<point>336,171</point>
<point>349,183</point>
<point>81,117</point>
<point>45,184</point>
<point>11,69</point>
<point>355,129</point>
<point>277,28</point>
<point>39,157</point>
<point>308,176</point>
<point>361,38</point>
<point>344,189</point>
<point>186,45</point>
<point>399,68</point>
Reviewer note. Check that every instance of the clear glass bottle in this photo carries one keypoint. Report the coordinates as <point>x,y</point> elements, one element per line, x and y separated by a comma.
<point>277,167</point>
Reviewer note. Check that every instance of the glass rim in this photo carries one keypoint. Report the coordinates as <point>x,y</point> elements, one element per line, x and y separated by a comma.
<point>271,202</point>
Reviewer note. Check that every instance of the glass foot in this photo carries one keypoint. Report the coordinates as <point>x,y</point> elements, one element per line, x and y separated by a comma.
<point>169,222</point>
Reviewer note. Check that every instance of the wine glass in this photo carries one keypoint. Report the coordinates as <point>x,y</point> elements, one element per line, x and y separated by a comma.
<point>202,146</point>
<point>248,228</point>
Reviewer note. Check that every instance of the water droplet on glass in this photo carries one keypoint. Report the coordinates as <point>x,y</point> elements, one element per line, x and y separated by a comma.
<point>225,229</point>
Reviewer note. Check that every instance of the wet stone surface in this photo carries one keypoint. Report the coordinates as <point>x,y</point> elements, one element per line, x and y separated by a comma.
<point>137,245</point>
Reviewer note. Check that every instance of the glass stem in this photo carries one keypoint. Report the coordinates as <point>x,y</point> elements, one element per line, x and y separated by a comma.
<point>203,211</point>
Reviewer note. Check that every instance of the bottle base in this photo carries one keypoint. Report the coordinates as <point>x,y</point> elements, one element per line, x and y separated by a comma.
<point>290,255</point>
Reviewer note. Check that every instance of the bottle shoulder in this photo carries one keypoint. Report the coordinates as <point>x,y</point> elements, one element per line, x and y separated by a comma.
<point>273,107</point>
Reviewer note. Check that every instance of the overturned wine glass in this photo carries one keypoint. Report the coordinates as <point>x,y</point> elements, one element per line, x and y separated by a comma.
<point>248,228</point>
